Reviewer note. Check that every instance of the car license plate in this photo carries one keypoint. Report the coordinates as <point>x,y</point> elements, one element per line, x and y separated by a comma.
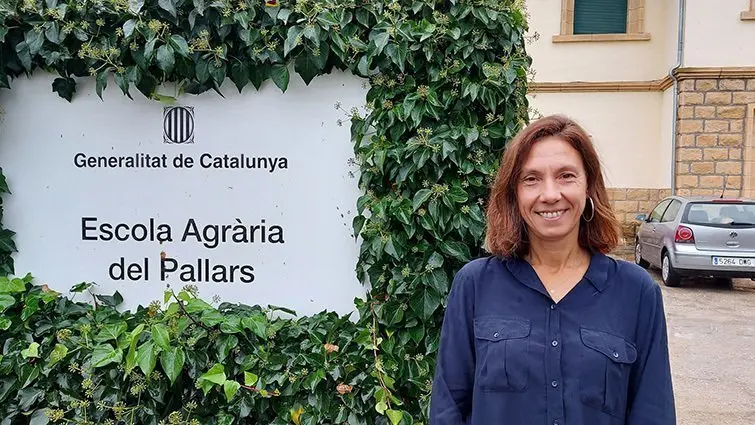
<point>733,261</point>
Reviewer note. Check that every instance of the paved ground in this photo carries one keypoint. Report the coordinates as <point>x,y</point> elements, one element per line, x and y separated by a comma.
<point>712,344</point>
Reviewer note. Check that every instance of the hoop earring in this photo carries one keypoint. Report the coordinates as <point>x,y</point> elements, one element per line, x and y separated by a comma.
<point>592,210</point>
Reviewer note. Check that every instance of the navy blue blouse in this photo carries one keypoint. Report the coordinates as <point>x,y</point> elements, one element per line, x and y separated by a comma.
<point>509,355</point>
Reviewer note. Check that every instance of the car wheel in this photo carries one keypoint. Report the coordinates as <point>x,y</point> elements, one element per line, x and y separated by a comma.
<point>668,274</point>
<point>638,256</point>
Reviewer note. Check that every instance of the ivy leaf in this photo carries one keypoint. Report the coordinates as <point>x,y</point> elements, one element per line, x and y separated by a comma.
<point>31,351</point>
<point>455,249</point>
<point>172,362</point>
<point>149,49</point>
<point>312,33</point>
<point>395,416</point>
<point>397,53</point>
<point>128,28</point>
<point>471,135</point>
<point>6,301</point>
<point>357,224</point>
<point>293,34</point>
<point>166,59</point>
<point>11,286</point>
<point>202,70</point>
<point>101,83</point>
<point>111,331</point>
<point>180,45</point>
<point>380,38</point>
<point>216,375</point>
<point>58,353</point>
<point>424,302</point>
<point>230,388</point>
<point>364,66</point>
<point>65,87</point>
<point>135,6</point>
<point>122,82</point>
<point>218,73</point>
<point>161,336</point>
<point>250,379</point>
<point>34,40</point>
<point>105,354</point>
<point>308,66</point>
<point>169,6</point>
<point>510,75</point>
<point>31,306</point>
<point>146,357</point>
<point>420,198</point>
<point>239,75</point>
<point>3,183</point>
<point>457,194</point>
<point>199,6</point>
<point>257,324</point>
<point>438,280</point>
<point>279,75</point>
<point>22,50</point>
<point>363,17</point>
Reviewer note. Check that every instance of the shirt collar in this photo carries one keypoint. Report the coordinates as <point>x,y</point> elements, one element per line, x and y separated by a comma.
<point>597,271</point>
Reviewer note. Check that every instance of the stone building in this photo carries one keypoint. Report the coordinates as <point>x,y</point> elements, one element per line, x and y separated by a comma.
<point>665,87</point>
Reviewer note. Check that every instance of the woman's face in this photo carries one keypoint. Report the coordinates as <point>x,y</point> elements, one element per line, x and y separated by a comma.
<point>552,190</point>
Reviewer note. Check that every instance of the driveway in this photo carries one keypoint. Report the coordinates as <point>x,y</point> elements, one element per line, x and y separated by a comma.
<point>712,344</point>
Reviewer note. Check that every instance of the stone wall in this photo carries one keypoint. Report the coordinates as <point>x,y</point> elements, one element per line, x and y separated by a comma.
<point>628,203</point>
<point>711,135</point>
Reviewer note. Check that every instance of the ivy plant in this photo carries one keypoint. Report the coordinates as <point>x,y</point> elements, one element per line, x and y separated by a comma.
<point>447,89</point>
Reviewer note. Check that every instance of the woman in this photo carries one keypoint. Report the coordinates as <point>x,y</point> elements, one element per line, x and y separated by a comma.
<point>549,330</point>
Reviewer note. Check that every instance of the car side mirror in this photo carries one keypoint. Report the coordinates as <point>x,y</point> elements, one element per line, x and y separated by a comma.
<point>642,217</point>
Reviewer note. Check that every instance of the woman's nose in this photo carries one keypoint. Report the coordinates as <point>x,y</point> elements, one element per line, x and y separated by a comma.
<point>551,191</point>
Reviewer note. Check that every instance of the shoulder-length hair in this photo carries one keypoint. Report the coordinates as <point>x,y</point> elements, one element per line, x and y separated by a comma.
<point>506,233</point>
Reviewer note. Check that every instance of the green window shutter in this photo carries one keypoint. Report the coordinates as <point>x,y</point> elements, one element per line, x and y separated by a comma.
<point>600,16</point>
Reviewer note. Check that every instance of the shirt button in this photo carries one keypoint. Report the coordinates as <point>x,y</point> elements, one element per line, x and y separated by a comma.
<point>495,335</point>
<point>554,343</point>
<point>553,306</point>
<point>615,355</point>
<point>554,384</point>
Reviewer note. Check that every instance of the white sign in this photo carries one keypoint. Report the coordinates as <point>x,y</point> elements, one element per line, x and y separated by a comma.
<point>249,197</point>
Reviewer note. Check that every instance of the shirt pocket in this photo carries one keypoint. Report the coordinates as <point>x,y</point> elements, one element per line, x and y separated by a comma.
<point>606,364</point>
<point>502,354</point>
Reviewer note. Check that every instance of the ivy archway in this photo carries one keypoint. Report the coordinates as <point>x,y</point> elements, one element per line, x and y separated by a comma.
<point>447,90</point>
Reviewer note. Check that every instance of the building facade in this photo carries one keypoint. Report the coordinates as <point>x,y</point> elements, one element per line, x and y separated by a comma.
<point>666,89</point>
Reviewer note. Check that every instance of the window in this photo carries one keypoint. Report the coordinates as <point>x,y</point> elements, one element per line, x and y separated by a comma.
<point>722,214</point>
<point>671,212</point>
<point>602,20</point>
<point>600,16</point>
<point>657,213</point>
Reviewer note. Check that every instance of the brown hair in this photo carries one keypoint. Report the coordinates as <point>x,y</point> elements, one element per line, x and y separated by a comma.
<point>506,233</point>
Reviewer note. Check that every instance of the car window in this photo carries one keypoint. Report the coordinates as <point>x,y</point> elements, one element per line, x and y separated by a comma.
<point>721,214</point>
<point>657,213</point>
<point>671,212</point>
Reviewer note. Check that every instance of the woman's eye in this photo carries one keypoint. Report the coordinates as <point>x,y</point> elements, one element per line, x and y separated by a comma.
<point>569,176</point>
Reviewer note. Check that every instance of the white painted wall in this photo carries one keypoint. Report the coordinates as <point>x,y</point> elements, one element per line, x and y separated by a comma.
<point>715,35</point>
<point>626,129</point>
<point>313,199</point>
<point>598,61</point>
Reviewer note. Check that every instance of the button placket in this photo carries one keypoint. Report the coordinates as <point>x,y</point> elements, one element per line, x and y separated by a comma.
<point>555,403</point>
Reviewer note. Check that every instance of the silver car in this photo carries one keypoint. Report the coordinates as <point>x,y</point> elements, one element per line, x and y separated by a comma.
<point>698,237</point>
